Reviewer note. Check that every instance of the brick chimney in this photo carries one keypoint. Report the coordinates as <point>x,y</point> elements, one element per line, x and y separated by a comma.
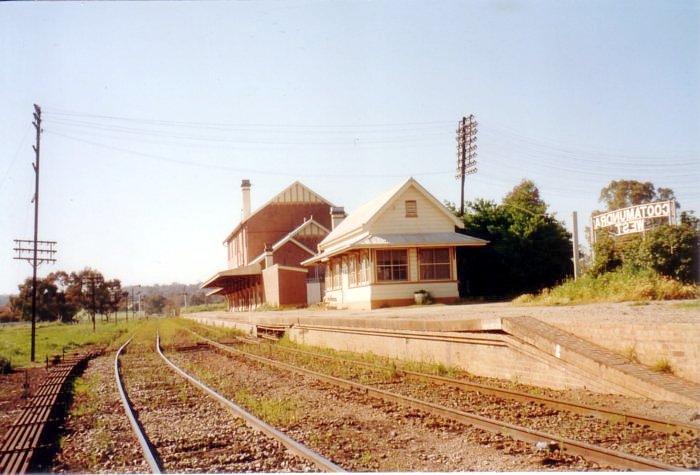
<point>268,256</point>
<point>337,216</point>
<point>245,190</point>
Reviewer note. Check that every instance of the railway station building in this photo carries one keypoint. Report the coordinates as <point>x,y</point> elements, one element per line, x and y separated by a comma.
<point>401,243</point>
<point>266,248</point>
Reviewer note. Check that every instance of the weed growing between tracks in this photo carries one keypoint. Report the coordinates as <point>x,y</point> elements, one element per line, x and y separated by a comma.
<point>174,332</point>
<point>272,410</point>
<point>87,406</point>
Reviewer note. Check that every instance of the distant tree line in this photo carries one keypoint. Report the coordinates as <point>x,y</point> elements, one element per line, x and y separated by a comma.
<point>65,296</point>
<point>62,295</point>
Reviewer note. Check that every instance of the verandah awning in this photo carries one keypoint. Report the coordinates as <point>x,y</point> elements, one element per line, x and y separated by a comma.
<point>401,240</point>
<point>230,276</point>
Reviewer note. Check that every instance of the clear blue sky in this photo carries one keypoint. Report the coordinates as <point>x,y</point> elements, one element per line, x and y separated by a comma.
<point>155,111</point>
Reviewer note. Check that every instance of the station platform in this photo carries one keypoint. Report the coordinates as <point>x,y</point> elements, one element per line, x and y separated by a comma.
<point>610,348</point>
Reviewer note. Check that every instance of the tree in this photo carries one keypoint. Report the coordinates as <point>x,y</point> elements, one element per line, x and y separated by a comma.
<point>626,193</point>
<point>115,294</point>
<point>154,304</point>
<point>52,303</point>
<point>670,250</point>
<point>528,248</point>
<point>60,296</point>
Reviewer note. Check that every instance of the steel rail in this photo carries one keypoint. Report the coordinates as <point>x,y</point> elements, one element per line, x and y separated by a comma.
<point>256,424</point>
<point>140,435</point>
<point>591,452</point>
<point>666,426</point>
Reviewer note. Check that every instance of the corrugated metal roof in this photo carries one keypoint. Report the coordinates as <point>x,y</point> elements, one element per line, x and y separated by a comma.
<point>400,240</point>
<point>421,239</point>
<point>220,277</point>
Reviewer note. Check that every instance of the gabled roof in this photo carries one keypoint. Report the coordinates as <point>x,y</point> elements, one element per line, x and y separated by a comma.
<point>297,192</point>
<point>359,219</point>
<point>291,238</point>
<point>354,231</point>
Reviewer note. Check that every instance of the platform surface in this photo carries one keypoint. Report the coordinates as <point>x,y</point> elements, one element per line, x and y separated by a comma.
<point>465,317</point>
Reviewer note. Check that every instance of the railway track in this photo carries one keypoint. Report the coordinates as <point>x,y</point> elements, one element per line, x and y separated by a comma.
<point>604,455</point>
<point>361,432</point>
<point>235,441</point>
<point>666,426</point>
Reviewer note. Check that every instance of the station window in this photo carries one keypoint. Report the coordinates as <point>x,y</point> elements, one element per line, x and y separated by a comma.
<point>336,274</point>
<point>352,276</point>
<point>392,265</point>
<point>434,264</point>
<point>329,282</point>
<point>364,268</point>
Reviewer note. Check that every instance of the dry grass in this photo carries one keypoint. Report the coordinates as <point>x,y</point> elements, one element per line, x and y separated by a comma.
<point>619,286</point>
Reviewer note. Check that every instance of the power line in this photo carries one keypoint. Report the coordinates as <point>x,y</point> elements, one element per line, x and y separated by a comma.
<point>224,125</point>
<point>236,169</point>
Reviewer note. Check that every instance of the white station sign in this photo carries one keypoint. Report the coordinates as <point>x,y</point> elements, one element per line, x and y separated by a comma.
<point>633,219</point>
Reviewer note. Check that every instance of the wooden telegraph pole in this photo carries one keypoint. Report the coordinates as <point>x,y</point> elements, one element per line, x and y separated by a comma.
<point>466,152</point>
<point>40,251</point>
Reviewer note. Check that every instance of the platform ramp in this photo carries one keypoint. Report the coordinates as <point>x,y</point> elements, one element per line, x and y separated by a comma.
<point>600,363</point>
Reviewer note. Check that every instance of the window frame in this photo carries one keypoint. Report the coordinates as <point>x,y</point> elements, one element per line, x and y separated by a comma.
<point>352,270</point>
<point>434,265</point>
<point>337,274</point>
<point>393,266</point>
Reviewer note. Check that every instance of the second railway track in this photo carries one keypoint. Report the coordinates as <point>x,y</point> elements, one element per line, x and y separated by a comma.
<point>642,448</point>
<point>184,431</point>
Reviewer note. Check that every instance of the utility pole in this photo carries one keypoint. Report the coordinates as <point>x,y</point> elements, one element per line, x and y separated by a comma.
<point>184,294</point>
<point>115,296</point>
<point>575,243</point>
<point>93,280</point>
<point>126,305</point>
<point>47,251</point>
<point>466,152</point>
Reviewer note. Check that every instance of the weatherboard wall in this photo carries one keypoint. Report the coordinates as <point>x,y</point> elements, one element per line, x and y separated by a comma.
<point>429,218</point>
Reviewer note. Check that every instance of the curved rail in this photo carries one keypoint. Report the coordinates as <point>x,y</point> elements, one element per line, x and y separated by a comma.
<point>667,426</point>
<point>592,452</point>
<point>143,440</point>
<point>292,445</point>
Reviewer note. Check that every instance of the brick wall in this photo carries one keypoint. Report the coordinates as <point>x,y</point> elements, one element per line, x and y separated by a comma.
<point>276,220</point>
<point>679,343</point>
<point>290,255</point>
<point>483,356</point>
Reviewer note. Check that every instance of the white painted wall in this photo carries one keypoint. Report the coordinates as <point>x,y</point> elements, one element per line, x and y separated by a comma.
<point>430,219</point>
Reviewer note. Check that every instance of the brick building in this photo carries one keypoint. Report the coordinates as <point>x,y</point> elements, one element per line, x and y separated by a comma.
<point>265,250</point>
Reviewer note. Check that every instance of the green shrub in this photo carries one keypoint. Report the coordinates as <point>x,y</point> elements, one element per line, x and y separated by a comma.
<point>621,285</point>
<point>667,250</point>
